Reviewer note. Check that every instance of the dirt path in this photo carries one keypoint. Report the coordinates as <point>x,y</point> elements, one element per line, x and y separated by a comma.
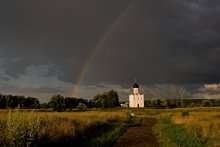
<point>141,136</point>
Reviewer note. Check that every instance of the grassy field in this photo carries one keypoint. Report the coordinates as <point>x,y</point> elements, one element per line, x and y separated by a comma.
<point>189,127</point>
<point>175,127</point>
<point>92,128</point>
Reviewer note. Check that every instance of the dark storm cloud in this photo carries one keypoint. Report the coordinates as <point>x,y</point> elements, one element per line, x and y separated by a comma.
<point>171,41</point>
<point>52,32</point>
<point>165,42</point>
<point>28,88</point>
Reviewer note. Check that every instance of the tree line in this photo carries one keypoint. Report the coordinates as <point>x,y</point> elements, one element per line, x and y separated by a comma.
<point>13,101</point>
<point>161,103</point>
<point>60,103</point>
<point>104,100</point>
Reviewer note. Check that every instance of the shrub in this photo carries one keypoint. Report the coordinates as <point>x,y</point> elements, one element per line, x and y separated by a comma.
<point>57,102</point>
<point>159,102</point>
<point>106,99</point>
<point>21,129</point>
<point>217,102</point>
<point>191,105</point>
<point>128,116</point>
<point>207,103</point>
<point>184,113</point>
<point>81,107</point>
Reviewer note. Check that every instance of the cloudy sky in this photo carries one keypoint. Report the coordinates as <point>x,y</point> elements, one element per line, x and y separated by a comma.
<point>83,47</point>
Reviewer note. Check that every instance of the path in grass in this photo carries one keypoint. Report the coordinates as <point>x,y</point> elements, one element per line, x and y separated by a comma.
<point>139,136</point>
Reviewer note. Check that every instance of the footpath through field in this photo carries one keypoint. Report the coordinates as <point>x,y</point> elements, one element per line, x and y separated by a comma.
<point>141,136</point>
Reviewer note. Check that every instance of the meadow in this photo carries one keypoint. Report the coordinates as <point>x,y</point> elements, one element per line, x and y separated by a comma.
<point>175,127</point>
<point>91,128</point>
<point>189,127</point>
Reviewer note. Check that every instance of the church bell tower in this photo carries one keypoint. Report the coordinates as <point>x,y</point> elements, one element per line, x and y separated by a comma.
<point>136,99</point>
<point>135,88</point>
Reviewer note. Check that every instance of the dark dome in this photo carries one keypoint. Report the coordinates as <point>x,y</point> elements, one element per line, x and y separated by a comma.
<point>135,85</point>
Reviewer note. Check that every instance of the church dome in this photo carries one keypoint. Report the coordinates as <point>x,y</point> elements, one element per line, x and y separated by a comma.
<point>135,85</point>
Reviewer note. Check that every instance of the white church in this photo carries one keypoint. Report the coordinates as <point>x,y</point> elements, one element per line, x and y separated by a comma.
<point>136,100</point>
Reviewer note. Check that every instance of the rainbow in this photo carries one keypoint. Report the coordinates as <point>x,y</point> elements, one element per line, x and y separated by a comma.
<point>103,37</point>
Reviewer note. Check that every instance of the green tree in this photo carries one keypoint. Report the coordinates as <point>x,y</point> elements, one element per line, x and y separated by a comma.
<point>91,104</point>
<point>217,102</point>
<point>21,101</point>
<point>107,99</point>
<point>57,102</point>
<point>2,102</point>
<point>159,103</point>
<point>81,100</point>
<point>98,100</point>
<point>44,105</point>
<point>154,102</point>
<point>113,96</point>
<point>179,102</point>
<point>11,101</point>
<point>81,107</point>
<point>207,103</point>
<point>31,103</point>
<point>70,102</point>
<point>106,102</point>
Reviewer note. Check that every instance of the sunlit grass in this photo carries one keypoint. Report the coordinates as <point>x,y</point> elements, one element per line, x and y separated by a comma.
<point>200,124</point>
<point>19,127</point>
<point>204,125</point>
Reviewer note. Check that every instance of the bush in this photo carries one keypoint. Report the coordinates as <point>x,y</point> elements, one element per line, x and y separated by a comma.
<point>184,113</point>
<point>207,103</point>
<point>21,129</point>
<point>217,102</point>
<point>81,107</point>
<point>191,105</point>
<point>159,103</point>
<point>106,99</point>
<point>57,102</point>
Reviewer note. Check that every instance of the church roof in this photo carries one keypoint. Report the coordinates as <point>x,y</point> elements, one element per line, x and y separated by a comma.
<point>135,85</point>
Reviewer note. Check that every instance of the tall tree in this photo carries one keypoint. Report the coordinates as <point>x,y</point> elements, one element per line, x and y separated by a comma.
<point>181,91</point>
<point>113,96</point>
<point>2,102</point>
<point>70,102</point>
<point>11,101</point>
<point>31,102</point>
<point>173,93</point>
<point>57,102</point>
<point>21,101</point>
<point>98,100</point>
<point>107,99</point>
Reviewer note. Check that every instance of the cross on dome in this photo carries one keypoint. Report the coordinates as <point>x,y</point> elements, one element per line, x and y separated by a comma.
<point>135,84</point>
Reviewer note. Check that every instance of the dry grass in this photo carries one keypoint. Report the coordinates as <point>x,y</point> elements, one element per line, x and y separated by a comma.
<point>19,127</point>
<point>3,114</point>
<point>205,125</point>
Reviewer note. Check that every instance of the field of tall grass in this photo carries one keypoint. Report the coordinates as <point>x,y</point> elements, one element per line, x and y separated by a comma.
<point>92,128</point>
<point>176,127</point>
<point>189,127</point>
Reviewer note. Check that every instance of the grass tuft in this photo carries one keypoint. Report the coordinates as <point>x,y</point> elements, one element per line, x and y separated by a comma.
<point>21,129</point>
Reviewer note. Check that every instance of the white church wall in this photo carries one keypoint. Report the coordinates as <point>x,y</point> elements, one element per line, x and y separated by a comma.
<point>131,101</point>
<point>136,99</point>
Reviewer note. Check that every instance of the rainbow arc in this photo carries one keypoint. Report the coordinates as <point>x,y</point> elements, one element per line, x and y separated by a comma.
<point>103,37</point>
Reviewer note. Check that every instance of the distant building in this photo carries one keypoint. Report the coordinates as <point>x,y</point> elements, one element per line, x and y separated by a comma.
<point>126,104</point>
<point>136,100</point>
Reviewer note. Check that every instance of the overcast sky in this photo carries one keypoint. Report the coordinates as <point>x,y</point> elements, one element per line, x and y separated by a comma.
<point>45,44</point>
